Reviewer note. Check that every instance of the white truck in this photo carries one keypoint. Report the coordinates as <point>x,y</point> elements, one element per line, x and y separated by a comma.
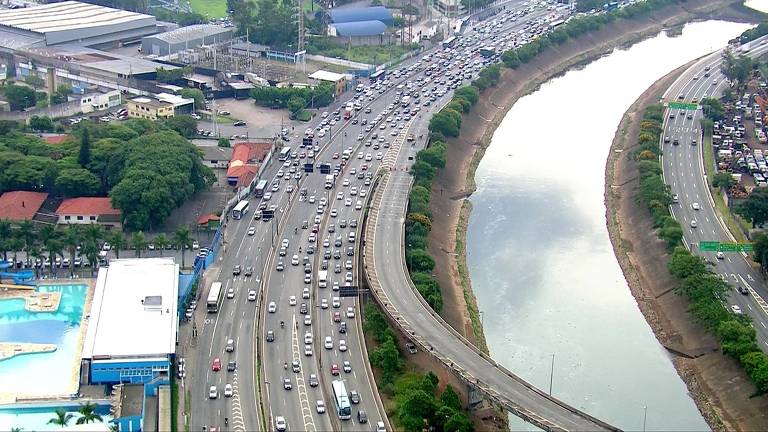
<point>405,101</point>
<point>322,278</point>
<point>329,180</point>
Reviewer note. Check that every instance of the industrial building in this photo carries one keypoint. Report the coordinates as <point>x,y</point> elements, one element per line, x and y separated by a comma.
<point>148,107</point>
<point>131,336</point>
<point>74,22</point>
<point>184,38</point>
<point>339,81</point>
<point>359,33</point>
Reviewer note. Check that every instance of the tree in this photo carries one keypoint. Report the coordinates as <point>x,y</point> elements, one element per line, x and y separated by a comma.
<point>77,182</point>
<point>423,172</point>
<point>387,358</point>
<point>224,142</point>
<point>195,94</point>
<point>161,241</point>
<point>723,180</point>
<point>450,398</point>
<point>755,207</point>
<point>420,261</point>
<point>35,81</point>
<point>71,241</point>
<point>117,242</point>
<point>84,156</point>
<point>296,104</point>
<point>50,238</point>
<point>138,242</point>
<point>469,93</point>
<point>459,422</point>
<point>417,404</point>
<point>62,418</point>
<point>6,234</point>
<point>88,413</point>
<point>684,264</point>
<point>28,235</point>
<point>186,126</point>
<point>41,123</point>
<point>20,97</point>
<point>429,382</point>
<point>713,109</point>
<point>736,338</point>
<point>182,238</point>
<point>444,123</point>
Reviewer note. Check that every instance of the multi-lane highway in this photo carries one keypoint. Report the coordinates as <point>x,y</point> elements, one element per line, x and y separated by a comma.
<point>683,169</point>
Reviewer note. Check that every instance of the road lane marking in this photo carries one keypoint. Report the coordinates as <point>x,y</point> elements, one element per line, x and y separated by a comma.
<point>306,410</point>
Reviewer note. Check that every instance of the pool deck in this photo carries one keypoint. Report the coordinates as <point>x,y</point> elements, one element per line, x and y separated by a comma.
<point>33,301</point>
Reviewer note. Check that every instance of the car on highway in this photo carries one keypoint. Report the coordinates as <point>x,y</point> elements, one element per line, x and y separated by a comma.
<point>354,396</point>
<point>342,345</point>
<point>308,350</point>
<point>308,338</point>
<point>213,392</point>
<point>303,309</point>
<point>287,384</point>
<point>251,231</point>
<point>696,206</point>
<point>693,224</point>
<point>307,320</point>
<point>736,309</point>
<point>343,327</point>
<point>249,271</point>
<point>362,417</point>
<point>295,260</point>
<point>328,342</point>
<point>720,255</point>
<point>236,270</point>
<point>228,390</point>
<point>347,366</point>
<point>216,364</point>
<point>295,366</point>
<point>324,303</point>
<point>350,312</point>
<point>230,347</point>
<point>292,300</point>
<point>280,424</point>
<point>252,295</point>
<point>320,407</point>
<point>334,369</point>
<point>280,266</point>
<point>313,382</point>
<point>380,427</point>
<point>743,290</point>
<point>231,293</point>
<point>336,302</point>
<point>231,366</point>
<point>272,307</point>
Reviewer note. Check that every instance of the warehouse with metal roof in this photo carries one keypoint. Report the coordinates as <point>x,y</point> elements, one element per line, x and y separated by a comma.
<point>184,38</point>
<point>75,22</point>
<point>374,13</point>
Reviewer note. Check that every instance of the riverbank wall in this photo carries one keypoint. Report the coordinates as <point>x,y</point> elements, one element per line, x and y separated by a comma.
<point>454,184</point>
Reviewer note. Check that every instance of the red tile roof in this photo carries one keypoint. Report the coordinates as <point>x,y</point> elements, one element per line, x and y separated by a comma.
<point>21,205</point>
<point>246,158</point>
<point>87,206</point>
<point>204,219</point>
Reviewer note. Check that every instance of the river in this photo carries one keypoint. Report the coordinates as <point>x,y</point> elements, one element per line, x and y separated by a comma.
<point>542,266</point>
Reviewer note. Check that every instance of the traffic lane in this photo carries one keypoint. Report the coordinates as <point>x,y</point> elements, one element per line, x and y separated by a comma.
<point>391,273</point>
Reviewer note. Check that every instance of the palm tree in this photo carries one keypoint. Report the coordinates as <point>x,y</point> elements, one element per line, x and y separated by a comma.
<point>161,241</point>
<point>28,235</point>
<point>182,238</point>
<point>15,244</point>
<point>88,413</point>
<point>50,240</point>
<point>5,237</point>
<point>35,253</point>
<point>117,241</point>
<point>94,233</point>
<point>61,419</point>
<point>138,242</point>
<point>91,250</point>
<point>71,240</point>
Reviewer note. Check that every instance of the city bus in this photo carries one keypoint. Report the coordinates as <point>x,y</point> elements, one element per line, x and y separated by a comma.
<point>285,153</point>
<point>377,76</point>
<point>261,186</point>
<point>214,297</point>
<point>343,407</point>
<point>240,209</point>
<point>448,43</point>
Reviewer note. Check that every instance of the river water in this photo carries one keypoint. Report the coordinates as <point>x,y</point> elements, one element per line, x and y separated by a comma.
<point>541,263</point>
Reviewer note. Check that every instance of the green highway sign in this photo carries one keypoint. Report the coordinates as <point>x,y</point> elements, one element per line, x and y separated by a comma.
<point>683,105</point>
<point>713,246</point>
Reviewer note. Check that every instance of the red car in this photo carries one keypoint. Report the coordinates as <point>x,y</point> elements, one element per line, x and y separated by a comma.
<point>336,317</point>
<point>216,365</point>
<point>334,369</point>
<point>335,155</point>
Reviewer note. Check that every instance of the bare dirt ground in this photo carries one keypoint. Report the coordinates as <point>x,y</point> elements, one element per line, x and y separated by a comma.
<point>707,375</point>
<point>720,388</point>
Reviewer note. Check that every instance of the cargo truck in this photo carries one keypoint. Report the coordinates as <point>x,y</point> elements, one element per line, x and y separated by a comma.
<point>322,278</point>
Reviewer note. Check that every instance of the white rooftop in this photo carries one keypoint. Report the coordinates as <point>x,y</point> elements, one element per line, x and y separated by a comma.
<point>67,15</point>
<point>174,99</point>
<point>323,75</point>
<point>134,309</point>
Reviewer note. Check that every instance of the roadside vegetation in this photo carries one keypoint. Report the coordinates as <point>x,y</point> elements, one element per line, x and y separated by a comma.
<point>577,27</point>
<point>295,99</point>
<point>417,404</point>
<point>371,54</point>
<point>209,8</point>
<point>147,168</point>
<point>705,290</point>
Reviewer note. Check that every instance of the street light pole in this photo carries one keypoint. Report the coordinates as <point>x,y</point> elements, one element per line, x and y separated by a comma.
<point>552,375</point>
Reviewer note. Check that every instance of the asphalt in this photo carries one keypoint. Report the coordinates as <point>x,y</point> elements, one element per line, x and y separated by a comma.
<point>683,170</point>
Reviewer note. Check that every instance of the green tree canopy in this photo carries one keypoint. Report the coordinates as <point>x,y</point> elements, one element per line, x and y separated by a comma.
<point>19,97</point>
<point>755,207</point>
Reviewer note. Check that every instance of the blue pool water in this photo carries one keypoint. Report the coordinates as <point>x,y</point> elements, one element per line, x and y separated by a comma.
<point>36,419</point>
<point>44,373</point>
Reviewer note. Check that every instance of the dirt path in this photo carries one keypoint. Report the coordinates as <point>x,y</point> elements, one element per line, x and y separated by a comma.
<point>708,374</point>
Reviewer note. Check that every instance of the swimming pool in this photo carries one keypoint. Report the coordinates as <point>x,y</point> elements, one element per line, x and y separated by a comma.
<point>36,419</point>
<point>43,374</point>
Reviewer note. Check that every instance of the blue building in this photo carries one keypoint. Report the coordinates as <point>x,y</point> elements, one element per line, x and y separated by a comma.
<point>131,336</point>
<point>360,32</point>
<point>374,13</point>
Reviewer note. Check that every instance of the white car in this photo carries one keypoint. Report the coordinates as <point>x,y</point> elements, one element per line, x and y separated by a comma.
<point>328,342</point>
<point>251,231</point>
<point>342,345</point>
<point>308,350</point>
<point>350,312</point>
<point>252,295</point>
<point>696,206</point>
<point>336,302</point>
<point>358,205</point>
<point>720,255</point>
<point>307,338</point>
<point>280,424</point>
<point>324,303</point>
<point>272,308</point>
<point>213,393</point>
<point>345,182</point>
<point>379,156</point>
<point>231,293</point>
<point>295,260</point>
<point>228,391</point>
<point>320,405</point>
<point>736,309</point>
<point>307,320</point>
<point>348,202</point>
<point>292,300</point>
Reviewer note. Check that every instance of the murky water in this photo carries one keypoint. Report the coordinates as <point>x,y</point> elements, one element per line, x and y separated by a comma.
<point>541,262</point>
